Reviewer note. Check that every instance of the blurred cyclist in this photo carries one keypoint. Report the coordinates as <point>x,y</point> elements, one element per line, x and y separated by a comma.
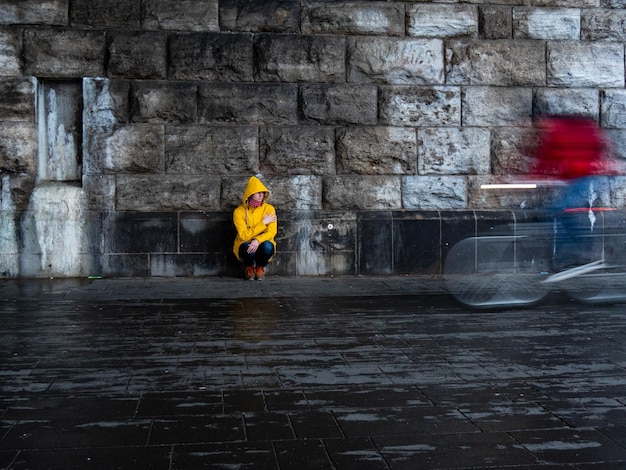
<point>573,150</point>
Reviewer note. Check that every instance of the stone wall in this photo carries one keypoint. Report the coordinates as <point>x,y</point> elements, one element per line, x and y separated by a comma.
<point>128,128</point>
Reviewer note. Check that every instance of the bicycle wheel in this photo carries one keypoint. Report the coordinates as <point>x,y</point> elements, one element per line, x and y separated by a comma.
<point>494,272</point>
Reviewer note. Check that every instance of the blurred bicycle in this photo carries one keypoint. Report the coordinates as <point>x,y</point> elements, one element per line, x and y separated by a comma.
<point>577,244</point>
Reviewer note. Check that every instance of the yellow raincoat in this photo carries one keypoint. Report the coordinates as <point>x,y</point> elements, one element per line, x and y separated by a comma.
<point>248,220</point>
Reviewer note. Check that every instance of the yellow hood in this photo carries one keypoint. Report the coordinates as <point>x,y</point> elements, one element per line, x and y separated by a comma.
<point>255,186</point>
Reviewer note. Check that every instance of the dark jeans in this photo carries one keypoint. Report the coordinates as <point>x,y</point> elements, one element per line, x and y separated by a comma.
<point>261,257</point>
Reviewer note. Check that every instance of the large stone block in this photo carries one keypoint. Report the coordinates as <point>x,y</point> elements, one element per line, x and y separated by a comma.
<point>365,192</point>
<point>419,106</point>
<point>197,150</point>
<point>301,192</point>
<point>278,16</point>
<point>297,150</point>
<point>604,25</point>
<point>293,58</point>
<point>376,151</point>
<point>496,106</point>
<point>188,15</point>
<point>10,52</point>
<point>318,243</point>
<point>482,199</point>
<point>501,63</point>
<point>15,191</point>
<point>395,61</point>
<point>613,105</point>
<point>454,151</point>
<point>561,101</point>
<point>495,22</point>
<point>105,103</point>
<point>513,150</point>
<point>149,193</point>
<point>588,64</point>
<point>132,148</point>
<point>99,192</point>
<point>18,147</point>
<point>17,99</point>
<point>617,141</point>
<point>375,248</point>
<point>64,53</point>
<point>416,242</point>
<point>353,18</point>
<point>572,3</point>
<point>268,104</point>
<point>162,101</point>
<point>211,57</point>
<point>340,104</point>
<point>434,192</point>
<point>106,13</point>
<point>137,54</point>
<point>441,21</point>
<point>39,12</point>
<point>137,232</point>
<point>546,23</point>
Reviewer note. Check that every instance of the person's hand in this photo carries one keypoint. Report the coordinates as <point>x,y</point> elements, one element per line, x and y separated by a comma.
<point>253,246</point>
<point>269,218</point>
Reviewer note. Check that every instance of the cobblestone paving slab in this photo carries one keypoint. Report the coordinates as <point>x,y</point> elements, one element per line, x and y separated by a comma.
<point>341,374</point>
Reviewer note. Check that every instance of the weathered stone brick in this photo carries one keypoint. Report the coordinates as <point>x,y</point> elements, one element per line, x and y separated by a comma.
<point>212,57</point>
<point>441,21</point>
<point>604,25</point>
<point>271,104</point>
<point>617,142</point>
<point>546,23</point>
<point>364,192</point>
<point>577,64</point>
<point>17,99</point>
<point>353,18</point>
<point>15,191</point>
<point>10,52</point>
<point>18,147</point>
<point>99,192</point>
<point>506,199</point>
<point>190,15</point>
<point>39,12</point>
<point>613,106</point>
<point>513,150</point>
<point>106,13</point>
<point>137,54</point>
<point>496,106</point>
<point>297,150</point>
<point>420,106</point>
<point>300,192</point>
<point>495,22</point>
<point>64,53</point>
<point>434,192</point>
<point>133,148</point>
<point>554,101</point>
<point>569,3</point>
<point>395,61</point>
<point>149,193</point>
<point>454,151</point>
<point>211,150</point>
<point>278,16</point>
<point>163,102</point>
<point>293,58</point>
<point>502,63</point>
<point>340,104</point>
<point>376,151</point>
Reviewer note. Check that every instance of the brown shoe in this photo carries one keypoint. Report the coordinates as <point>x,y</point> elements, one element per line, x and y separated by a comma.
<point>249,273</point>
<point>260,273</point>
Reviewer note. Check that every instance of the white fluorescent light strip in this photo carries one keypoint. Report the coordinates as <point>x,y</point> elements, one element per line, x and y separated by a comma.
<point>509,186</point>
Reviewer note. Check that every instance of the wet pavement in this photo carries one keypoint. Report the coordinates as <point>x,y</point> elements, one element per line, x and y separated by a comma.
<point>297,373</point>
